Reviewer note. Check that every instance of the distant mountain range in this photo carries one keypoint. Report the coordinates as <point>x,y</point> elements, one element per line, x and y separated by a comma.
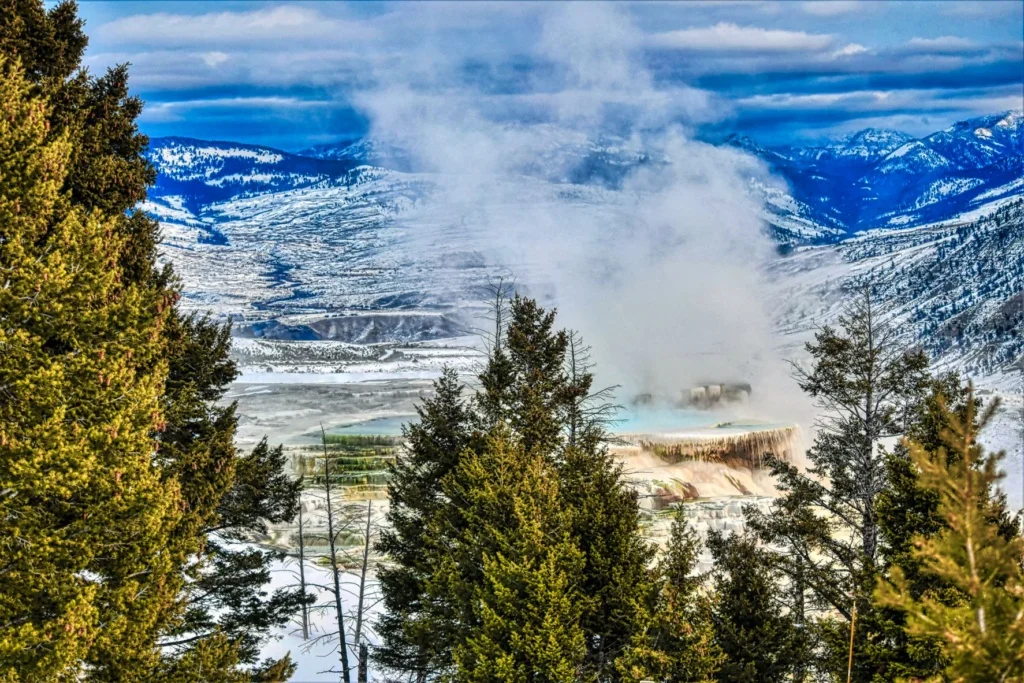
<point>337,242</point>
<point>870,179</point>
<point>884,178</point>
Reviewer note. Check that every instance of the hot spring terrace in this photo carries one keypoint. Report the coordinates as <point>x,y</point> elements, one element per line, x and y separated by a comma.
<point>671,455</point>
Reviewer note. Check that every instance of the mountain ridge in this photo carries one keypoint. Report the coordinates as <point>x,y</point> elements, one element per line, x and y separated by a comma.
<point>868,179</point>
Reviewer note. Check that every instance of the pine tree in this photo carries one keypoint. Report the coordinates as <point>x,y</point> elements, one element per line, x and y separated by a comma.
<point>982,633</point>
<point>677,640</point>
<point>107,171</point>
<point>512,569</point>
<point>529,386</point>
<point>826,524</point>
<point>759,639</point>
<point>413,640</point>
<point>226,594</point>
<point>605,521</point>
<point>84,517</point>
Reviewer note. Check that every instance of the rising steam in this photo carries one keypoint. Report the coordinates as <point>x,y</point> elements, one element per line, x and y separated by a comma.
<point>662,269</point>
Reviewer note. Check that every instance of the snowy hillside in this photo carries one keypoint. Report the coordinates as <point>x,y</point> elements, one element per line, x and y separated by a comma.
<point>873,178</point>
<point>329,248</point>
<point>955,288</point>
<point>196,173</point>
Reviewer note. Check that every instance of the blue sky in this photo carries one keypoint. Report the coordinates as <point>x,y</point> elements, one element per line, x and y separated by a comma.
<point>292,75</point>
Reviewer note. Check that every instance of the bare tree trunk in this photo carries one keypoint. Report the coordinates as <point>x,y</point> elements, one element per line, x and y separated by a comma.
<point>364,656</point>
<point>302,574</point>
<point>342,643</point>
<point>362,574</point>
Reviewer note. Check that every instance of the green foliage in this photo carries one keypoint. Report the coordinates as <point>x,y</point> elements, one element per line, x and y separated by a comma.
<point>415,639</point>
<point>511,568</point>
<point>360,441</point>
<point>677,640</point>
<point>826,523</point>
<point>120,328</point>
<point>756,634</point>
<point>537,387</point>
<point>980,625</point>
<point>84,517</point>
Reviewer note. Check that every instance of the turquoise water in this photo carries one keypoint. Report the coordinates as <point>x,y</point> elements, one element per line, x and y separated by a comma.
<point>381,426</point>
<point>662,420</point>
<point>648,420</point>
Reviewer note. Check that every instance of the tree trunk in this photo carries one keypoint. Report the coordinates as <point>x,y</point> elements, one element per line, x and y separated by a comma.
<point>302,574</point>
<point>362,575</point>
<point>364,656</point>
<point>342,643</point>
<point>800,669</point>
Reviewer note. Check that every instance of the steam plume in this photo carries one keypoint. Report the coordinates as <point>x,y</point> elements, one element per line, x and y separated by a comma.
<point>661,268</point>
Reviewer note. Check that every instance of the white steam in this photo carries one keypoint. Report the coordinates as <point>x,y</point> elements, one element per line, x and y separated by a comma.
<point>663,274</point>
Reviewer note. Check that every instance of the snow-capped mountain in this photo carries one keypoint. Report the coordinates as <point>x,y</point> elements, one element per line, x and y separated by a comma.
<point>870,179</point>
<point>879,178</point>
<point>337,247</point>
<point>200,172</point>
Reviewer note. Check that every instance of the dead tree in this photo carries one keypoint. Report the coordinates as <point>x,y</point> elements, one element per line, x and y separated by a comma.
<point>362,591</point>
<point>335,571</point>
<point>302,575</point>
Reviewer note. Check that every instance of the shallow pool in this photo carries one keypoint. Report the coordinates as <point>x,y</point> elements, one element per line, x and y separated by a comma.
<point>379,426</point>
<point>662,419</point>
<point>646,420</point>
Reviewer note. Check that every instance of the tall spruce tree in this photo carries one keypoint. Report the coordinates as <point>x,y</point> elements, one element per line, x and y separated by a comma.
<point>981,631</point>
<point>604,516</point>
<point>413,641</point>
<point>676,641</point>
<point>909,511</point>
<point>529,387</point>
<point>753,629</point>
<point>511,568</point>
<point>106,171</point>
<point>84,515</point>
<point>826,524</point>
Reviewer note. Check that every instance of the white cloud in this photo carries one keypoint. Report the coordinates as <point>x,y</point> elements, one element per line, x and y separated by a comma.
<point>178,110</point>
<point>941,44</point>
<point>849,50</point>
<point>831,8</point>
<point>734,38</point>
<point>283,23</point>
<point>215,58</point>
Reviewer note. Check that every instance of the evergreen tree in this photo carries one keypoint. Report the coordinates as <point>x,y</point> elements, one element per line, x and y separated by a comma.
<point>826,522</point>
<point>530,387</point>
<point>759,640</point>
<point>84,517</point>
<point>107,172</point>
<point>605,520</point>
<point>413,641</point>
<point>226,593</point>
<point>511,570</point>
<point>981,634</point>
<point>677,641</point>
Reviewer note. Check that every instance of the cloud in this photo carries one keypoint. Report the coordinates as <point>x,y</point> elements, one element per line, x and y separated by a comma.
<point>623,262</point>
<point>178,110</point>
<point>727,37</point>
<point>849,50</point>
<point>256,29</point>
<point>941,45</point>
<point>215,58</point>
<point>831,8</point>
<point>503,59</point>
